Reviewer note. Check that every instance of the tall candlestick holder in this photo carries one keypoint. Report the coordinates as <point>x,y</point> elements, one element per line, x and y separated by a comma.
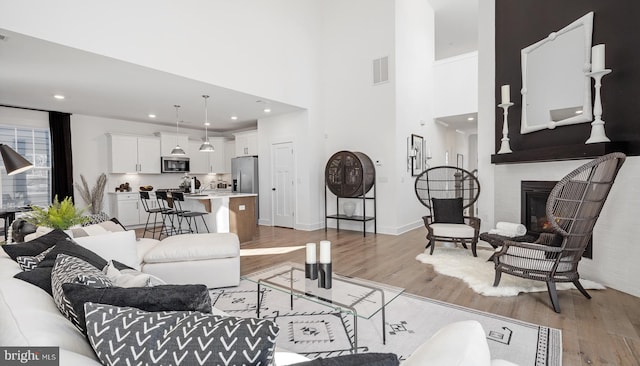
<point>504,146</point>
<point>597,126</point>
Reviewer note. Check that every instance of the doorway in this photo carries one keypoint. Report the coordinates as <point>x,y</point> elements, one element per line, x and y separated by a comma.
<point>283,184</point>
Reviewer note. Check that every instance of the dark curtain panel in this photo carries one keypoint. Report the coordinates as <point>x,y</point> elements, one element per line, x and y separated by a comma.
<point>61,162</point>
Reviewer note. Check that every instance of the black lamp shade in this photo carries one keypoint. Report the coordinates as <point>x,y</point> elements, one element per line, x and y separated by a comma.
<point>14,163</point>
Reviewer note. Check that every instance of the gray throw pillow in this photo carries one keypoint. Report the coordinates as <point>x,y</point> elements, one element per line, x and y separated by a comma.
<point>158,298</point>
<point>361,359</point>
<point>134,336</point>
<point>41,275</point>
<point>68,269</point>
<point>447,210</point>
<point>35,246</point>
<point>28,263</point>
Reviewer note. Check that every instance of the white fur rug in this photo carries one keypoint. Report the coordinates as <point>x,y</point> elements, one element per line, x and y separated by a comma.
<point>479,274</point>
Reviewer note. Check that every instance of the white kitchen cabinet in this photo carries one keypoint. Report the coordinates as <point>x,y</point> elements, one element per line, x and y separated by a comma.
<point>246,143</point>
<point>209,162</point>
<point>126,208</point>
<point>230,153</point>
<point>131,154</point>
<point>168,142</point>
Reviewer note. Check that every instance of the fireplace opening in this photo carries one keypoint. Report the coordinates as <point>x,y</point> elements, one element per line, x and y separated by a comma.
<point>533,209</point>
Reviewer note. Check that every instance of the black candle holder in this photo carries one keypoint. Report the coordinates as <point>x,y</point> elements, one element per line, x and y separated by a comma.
<point>324,275</point>
<point>311,271</point>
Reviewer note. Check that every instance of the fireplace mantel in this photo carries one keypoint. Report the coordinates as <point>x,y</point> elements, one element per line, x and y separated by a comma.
<point>557,153</point>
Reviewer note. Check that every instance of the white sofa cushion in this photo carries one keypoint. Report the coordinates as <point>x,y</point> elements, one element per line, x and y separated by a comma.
<point>120,246</point>
<point>193,247</point>
<point>453,230</point>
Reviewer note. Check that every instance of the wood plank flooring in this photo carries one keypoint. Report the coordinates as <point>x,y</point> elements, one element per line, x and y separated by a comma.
<point>602,331</point>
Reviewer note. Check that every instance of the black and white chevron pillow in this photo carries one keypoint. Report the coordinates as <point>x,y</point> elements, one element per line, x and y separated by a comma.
<point>27,263</point>
<point>128,336</point>
<point>68,269</point>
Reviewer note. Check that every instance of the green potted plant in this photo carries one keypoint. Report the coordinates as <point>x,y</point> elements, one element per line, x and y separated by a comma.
<point>59,215</point>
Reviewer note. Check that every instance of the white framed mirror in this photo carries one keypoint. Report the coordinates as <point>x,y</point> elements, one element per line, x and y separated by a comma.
<point>556,90</point>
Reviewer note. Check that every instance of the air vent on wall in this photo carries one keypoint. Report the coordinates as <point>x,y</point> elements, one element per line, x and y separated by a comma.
<point>381,70</point>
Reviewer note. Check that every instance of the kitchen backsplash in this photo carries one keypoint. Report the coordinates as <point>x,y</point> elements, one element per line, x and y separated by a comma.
<point>166,180</point>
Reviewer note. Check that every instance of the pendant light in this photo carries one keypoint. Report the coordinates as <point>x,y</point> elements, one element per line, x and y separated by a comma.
<point>206,145</point>
<point>14,163</point>
<point>177,150</point>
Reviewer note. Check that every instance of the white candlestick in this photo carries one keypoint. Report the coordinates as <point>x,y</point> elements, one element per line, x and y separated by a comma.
<point>506,94</point>
<point>311,253</point>
<point>597,58</point>
<point>325,251</point>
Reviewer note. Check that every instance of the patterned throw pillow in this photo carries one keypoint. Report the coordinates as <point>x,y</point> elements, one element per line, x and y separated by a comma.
<point>129,336</point>
<point>27,263</point>
<point>68,269</point>
<point>158,298</point>
<point>124,276</point>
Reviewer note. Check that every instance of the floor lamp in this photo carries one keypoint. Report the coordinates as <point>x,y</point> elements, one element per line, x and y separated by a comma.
<point>14,163</point>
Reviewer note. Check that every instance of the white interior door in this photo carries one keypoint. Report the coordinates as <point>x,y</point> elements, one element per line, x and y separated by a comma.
<point>283,184</point>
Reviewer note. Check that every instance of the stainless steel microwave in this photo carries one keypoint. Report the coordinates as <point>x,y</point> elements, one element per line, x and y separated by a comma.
<point>174,164</point>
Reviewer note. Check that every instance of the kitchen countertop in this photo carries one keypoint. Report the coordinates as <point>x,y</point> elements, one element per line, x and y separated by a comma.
<point>214,195</point>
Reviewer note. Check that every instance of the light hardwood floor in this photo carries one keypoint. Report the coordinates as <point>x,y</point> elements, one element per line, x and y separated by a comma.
<point>602,331</point>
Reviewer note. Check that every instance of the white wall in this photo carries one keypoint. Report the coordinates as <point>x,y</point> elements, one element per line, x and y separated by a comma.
<point>356,115</point>
<point>265,48</point>
<point>486,112</point>
<point>415,56</point>
<point>456,83</point>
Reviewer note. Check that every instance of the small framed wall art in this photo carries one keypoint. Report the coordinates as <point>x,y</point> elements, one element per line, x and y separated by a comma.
<point>417,152</point>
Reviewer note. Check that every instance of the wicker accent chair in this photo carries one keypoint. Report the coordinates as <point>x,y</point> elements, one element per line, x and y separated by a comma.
<point>448,182</point>
<point>573,208</point>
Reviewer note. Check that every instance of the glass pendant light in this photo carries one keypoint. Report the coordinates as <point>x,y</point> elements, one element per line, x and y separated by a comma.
<point>206,145</point>
<point>177,150</point>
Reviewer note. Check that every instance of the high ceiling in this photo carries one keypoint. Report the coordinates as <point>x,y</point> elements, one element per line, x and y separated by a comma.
<point>32,71</point>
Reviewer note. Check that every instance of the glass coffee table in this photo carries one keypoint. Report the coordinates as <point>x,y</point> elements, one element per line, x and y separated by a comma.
<point>359,297</point>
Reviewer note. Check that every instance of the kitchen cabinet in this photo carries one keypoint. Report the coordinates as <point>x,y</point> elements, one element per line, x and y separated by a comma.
<point>246,143</point>
<point>210,162</point>
<point>229,153</point>
<point>168,142</point>
<point>131,154</point>
<point>127,208</point>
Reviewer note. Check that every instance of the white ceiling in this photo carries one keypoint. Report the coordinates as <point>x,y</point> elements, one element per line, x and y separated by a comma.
<point>33,70</point>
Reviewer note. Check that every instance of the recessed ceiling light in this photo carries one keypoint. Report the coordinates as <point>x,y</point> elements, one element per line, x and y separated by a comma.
<point>267,110</point>
<point>207,124</point>
<point>151,115</point>
<point>579,111</point>
<point>234,117</point>
<point>58,96</point>
<point>470,119</point>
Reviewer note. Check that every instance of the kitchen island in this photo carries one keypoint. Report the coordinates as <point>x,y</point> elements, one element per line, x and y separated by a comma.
<point>226,212</point>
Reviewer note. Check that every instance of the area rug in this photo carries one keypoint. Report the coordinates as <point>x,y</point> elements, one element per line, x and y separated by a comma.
<point>479,274</point>
<point>317,330</point>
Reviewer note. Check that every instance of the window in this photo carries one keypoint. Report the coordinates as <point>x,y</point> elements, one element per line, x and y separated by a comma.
<point>32,187</point>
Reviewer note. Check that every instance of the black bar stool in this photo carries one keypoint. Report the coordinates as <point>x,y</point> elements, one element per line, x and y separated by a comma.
<point>168,212</point>
<point>189,216</point>
<point>145,199</point>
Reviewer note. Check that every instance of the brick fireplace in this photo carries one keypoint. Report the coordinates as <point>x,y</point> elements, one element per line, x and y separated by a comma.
<point>534,195</point>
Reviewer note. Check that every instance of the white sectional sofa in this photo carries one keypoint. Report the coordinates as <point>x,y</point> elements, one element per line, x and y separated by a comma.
<point>30,318</point>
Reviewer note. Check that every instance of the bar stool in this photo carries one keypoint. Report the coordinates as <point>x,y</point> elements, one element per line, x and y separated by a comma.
<point>168,212</point>
<point>189,216</point>
<point>145,199</point>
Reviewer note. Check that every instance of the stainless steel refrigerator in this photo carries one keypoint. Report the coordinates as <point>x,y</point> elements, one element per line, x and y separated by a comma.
<point>244,173</point>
